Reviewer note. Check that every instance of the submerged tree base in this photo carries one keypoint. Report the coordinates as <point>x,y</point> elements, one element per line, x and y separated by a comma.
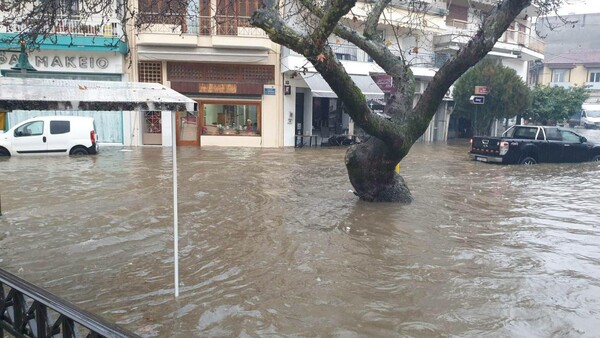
<point>373,176</point>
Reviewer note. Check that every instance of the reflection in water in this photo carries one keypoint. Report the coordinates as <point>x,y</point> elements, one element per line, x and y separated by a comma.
<point>273,243</point>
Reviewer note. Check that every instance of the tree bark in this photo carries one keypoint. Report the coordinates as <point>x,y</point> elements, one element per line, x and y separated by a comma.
<point>371,169</point>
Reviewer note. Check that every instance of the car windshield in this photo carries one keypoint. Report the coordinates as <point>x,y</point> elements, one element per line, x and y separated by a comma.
<point>593,113</point>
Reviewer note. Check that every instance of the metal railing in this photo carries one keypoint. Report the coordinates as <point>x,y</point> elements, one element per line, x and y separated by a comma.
<point>29,311</point>
<point>199,25</point>
<point>68,26</point>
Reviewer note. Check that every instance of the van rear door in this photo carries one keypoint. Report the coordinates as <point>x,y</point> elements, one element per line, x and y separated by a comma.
<point>30,138</point>
<point>59,136</point>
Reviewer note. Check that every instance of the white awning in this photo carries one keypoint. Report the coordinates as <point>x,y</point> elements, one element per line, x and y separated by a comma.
<point>320,88</point>
<point>59,94</point>
<point>367,86</point>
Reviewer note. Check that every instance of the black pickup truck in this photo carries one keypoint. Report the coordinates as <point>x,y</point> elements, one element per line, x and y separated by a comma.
<point>534,144</point>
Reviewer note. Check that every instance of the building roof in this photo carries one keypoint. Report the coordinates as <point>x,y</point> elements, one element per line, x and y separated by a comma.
<point>584,57</point>
<point>58,94</point>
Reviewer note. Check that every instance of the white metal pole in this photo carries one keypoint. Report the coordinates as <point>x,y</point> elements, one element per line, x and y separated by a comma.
<point>175,213</point>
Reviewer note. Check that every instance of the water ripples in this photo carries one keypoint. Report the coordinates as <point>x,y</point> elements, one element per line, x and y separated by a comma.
<point>273,243</point>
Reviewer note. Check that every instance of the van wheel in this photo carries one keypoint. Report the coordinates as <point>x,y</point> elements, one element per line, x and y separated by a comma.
<point>79,151</point>
<point>4,152</point>
<point>528,161</point>
<point>596,158</point>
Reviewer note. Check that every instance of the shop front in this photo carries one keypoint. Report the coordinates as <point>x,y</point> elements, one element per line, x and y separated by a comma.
<point>237,104</point>
<point>89,60</point>
<point>319,114</point>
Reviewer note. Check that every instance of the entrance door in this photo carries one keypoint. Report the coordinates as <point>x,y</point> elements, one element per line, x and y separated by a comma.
<point>152,128</point>
<point>299,113</point>
<point>188,129</point>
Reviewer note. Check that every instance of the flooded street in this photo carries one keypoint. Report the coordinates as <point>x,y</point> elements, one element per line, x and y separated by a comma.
<point>272,243</point>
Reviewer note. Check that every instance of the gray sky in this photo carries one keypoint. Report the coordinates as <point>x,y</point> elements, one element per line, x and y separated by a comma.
<point>580,7</point>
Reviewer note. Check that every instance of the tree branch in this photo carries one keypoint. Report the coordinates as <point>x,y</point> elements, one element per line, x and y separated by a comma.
<point>482,43</point>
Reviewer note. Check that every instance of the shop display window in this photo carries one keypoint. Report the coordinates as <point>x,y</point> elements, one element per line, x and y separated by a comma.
<point>231,119</point>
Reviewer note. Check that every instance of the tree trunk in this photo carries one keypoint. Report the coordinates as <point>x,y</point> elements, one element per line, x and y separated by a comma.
<point>371,171</point>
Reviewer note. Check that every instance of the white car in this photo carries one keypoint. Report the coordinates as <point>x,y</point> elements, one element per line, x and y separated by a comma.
<point>73,135</point>
<point>590,117</point>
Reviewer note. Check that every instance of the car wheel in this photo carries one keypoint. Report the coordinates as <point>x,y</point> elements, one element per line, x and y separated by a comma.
<point>587,126</point>
<point>596,158</point>
<point>79,151</point>
<point>4,152</point>
<point>528,161</point>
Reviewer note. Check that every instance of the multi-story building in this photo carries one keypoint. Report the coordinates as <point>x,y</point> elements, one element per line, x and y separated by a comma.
<point>249,90</point>
<point>311,108</point>
<point>572,56</point>
<point>209,52</point>
<point>88,49</point>
<point>517,48</point>
<point>576,68</point>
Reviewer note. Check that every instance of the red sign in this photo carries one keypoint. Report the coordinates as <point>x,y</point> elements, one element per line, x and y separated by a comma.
<point>384,82</point>
<point>481,90</point>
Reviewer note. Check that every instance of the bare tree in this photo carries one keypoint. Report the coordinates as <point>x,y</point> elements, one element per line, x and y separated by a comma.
<point>371,164</point>
<point>306,26</point>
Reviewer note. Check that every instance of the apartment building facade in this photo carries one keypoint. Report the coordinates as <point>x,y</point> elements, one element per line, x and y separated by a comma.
<point>311,107</point>
<point>76,49</point>
<point>573,57</point>
<point>210,53</point>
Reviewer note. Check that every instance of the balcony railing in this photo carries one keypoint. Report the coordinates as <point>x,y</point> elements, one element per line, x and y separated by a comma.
<point>75,27</point>
<point>200,25</point>
<point>348,52</point>
<point>510,36</point>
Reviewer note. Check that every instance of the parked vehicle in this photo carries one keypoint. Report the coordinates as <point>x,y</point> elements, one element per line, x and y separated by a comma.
<point>590,116</point>
<point>575,120</point>
<point>73,135</point>
<point>533,144</point>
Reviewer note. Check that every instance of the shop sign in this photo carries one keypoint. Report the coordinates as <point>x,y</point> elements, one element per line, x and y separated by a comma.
<point>46,61</point>
<point>384,82</point>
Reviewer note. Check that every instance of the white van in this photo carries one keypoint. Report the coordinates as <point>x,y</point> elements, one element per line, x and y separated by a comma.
<point>73,135</point>
<point>590,116</point>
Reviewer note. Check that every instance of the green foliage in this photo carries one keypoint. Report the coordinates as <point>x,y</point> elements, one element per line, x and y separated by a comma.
<point>553,104</point>
<point>508,95</point>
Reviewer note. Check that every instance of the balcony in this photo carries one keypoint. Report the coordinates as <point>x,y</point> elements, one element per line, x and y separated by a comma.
<point>512,43</point>
<point>76,27</point>
<point>200,25</point>
<point>592,85</point>
<point>71,34</point>
<point>218,31</point>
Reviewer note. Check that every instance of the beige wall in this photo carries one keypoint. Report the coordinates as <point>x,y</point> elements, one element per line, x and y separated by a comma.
<point>577,75</point>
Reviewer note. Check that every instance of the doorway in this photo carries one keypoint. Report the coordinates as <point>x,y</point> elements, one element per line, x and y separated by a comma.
<point>299,113</point>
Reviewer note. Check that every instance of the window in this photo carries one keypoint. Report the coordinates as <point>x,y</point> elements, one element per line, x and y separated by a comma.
<point>570,137</point>
<point>553,134</point>
<point>560,75</point>
<point>231,118</point>
<point>34,128</point>
<point>162,11</point>
<point>60,127</point>
<point>66,8</point>
<point>234,14</point>
<point>595,75</point>
<point>150,71</point>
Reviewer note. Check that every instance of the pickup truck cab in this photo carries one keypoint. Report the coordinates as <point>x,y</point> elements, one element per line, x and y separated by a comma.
<point>72,135</point>
<point>534,144</point>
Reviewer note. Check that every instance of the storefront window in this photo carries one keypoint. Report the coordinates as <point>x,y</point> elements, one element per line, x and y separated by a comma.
<point>231,119</point>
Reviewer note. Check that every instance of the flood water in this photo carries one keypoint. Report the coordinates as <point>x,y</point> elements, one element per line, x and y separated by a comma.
<point>272,243</point>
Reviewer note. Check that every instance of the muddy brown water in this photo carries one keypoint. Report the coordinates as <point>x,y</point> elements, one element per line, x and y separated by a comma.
<point>272,243</point>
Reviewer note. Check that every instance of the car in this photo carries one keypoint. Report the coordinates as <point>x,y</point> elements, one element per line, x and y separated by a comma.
<point>527,144</point>
<point>73,135</point>
<point>590,116</point>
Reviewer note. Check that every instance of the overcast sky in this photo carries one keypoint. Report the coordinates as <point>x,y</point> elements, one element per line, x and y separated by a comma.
<point>580,7</point>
